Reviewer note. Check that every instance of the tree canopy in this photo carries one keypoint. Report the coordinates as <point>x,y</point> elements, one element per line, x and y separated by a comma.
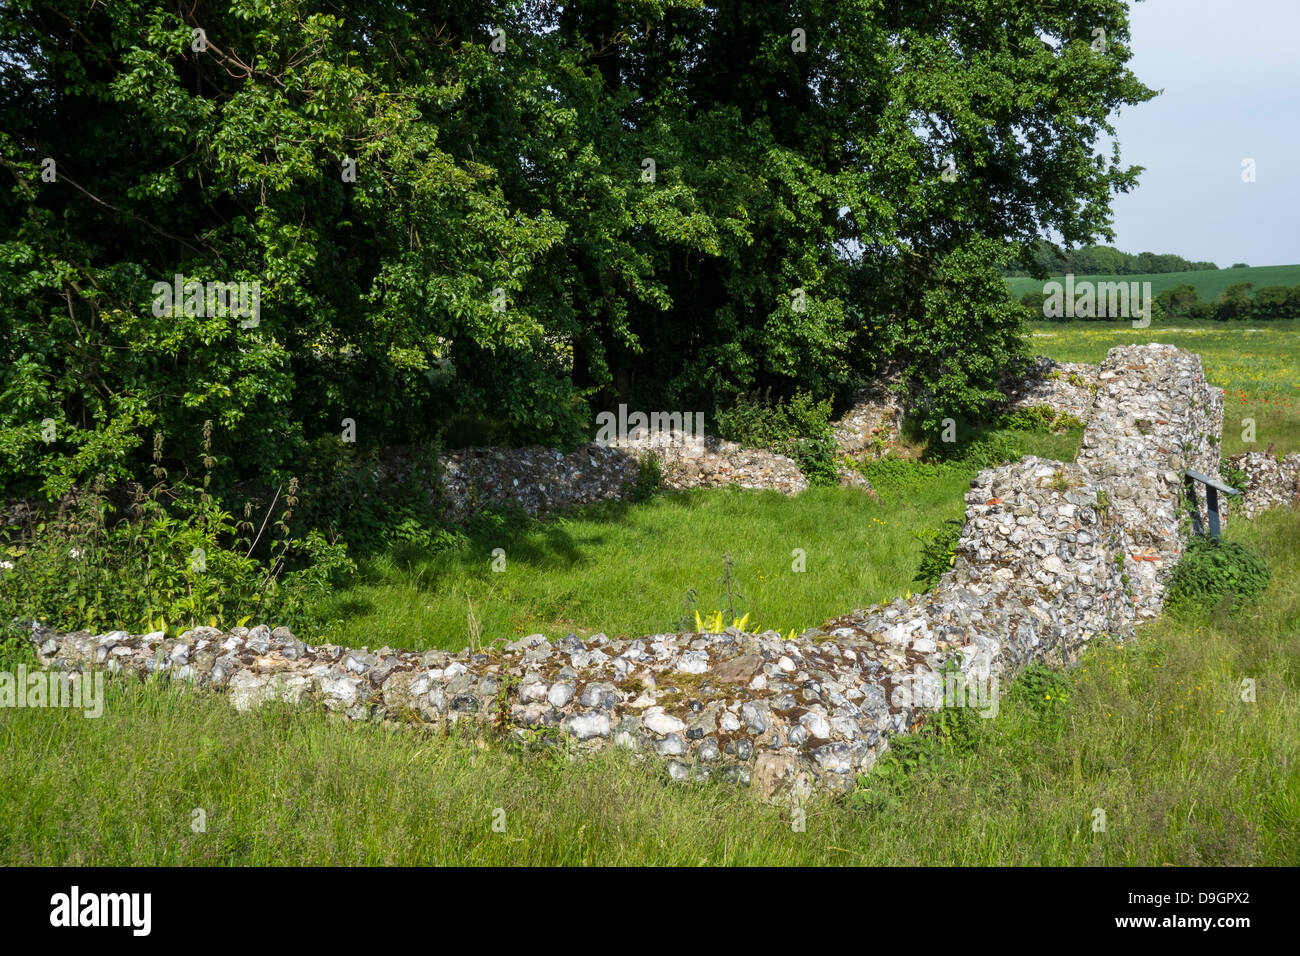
<point>521,211</point>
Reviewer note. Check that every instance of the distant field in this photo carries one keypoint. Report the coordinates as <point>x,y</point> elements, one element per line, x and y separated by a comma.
<point>1256,364</point>
<point>1209,283</point>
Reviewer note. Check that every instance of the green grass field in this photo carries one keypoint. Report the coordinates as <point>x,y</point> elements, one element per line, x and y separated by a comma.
<point>1209,283</point>
<point>625,569</point>
<point>1259,370</point>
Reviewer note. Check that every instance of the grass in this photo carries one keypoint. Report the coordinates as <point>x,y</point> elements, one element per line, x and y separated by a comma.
<point>1209,282</point>
<point>1256,370</point>
<point>625,569</point>
<point>1154,733</point>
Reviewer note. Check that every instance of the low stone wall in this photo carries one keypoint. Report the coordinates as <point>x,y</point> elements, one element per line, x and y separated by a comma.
<point>540,479</point>
<point>1052,555</point>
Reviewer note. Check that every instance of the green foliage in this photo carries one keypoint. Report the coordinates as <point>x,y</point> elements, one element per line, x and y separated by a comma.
<point>353,494</point>
<point>1043,689</point>
<point>898,478</point>
<point>1235,477</point>
<point>956,335</point>
<point>798,427</point>
<point>1212,571</point>
<point>1213,294</point>
<point>172,559</point>
<point>1040,418</point>
<point>988,450</point>
<point>938,552</point>
<point>501,255</point>
<point>15,646</point>
<point>1090,260</point>
<point>649,478</point>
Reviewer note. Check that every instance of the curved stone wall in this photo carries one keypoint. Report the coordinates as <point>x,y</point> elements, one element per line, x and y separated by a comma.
<point>1052,555</point>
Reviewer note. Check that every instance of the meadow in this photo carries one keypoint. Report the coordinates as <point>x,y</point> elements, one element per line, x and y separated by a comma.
<point>1154,733</point>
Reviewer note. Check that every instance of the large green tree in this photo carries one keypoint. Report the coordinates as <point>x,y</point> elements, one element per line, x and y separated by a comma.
<point>517,209</point>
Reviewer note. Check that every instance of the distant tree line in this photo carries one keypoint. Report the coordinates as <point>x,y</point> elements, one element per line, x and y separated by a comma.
<point>1235,303</point>
<point>1103,261</point>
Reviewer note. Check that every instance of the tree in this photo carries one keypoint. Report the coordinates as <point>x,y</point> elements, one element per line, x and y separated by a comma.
<point>1234,302</point>
<point>1179,299</point>
<point>1271,302</point>
<point>518,209</point>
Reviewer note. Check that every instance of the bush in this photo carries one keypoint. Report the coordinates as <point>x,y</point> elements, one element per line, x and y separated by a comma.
<point>938,552</point>
<point>170,559</point>
<point>1213,570</point>
<point>798,427</point>
<point>1040,418</point>
<point>649,478</point>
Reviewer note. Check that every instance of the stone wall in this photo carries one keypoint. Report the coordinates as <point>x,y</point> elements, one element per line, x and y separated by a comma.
<point>540,479</point>
<point>1270,483</point>
<point>1052,556</point>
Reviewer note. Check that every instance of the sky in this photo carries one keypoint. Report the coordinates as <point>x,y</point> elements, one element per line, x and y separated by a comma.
<point>1230,75</point>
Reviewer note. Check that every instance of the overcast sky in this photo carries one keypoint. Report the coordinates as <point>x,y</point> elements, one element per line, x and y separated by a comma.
<point>1230,75</point>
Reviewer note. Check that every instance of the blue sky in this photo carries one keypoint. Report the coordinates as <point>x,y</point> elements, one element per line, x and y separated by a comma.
<point>1230,72</point>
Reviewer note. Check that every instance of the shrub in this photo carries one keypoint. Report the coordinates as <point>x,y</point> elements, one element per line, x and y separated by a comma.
<point>1235,477</point>
<point>171,559</point>
<point>649,478</point>
<point>1213,570</point>
<point>798,427</point>
<point>344,496</point>
<point>938,552</point>
<point>1041,418</point>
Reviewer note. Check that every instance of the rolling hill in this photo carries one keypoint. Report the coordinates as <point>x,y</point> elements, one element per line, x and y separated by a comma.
<point>1209,283</point>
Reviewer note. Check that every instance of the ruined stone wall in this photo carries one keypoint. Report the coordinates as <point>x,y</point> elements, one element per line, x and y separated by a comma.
<point>1052,556</point>
<point>540,479</point>
<point>1270,482</point>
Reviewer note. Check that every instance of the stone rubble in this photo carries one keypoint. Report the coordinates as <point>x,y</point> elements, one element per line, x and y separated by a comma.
<point>534,478</point>
<point>539,479</point>
<point>1064,387</point>
<point>1269,483</point>
<point>871,423</point>
<point>1052,557</point>
<point>717,462</point>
